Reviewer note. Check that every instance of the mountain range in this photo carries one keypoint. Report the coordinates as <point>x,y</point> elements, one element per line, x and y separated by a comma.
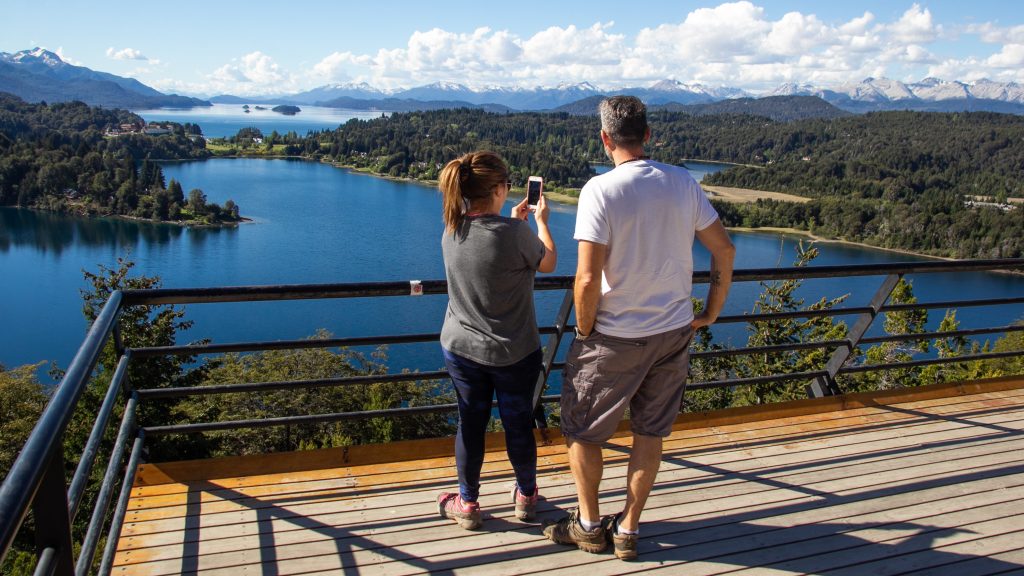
<point>40,75</point>
<point>930,94</point>
<point>870,94</point>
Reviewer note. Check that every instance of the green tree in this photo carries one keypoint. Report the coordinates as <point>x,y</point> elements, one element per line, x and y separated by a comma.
<point>781,297</point>
<point>140,327</point>
<point>303,364</point>
<point>197,202</point>
<point>902,322</point>
<point>22,399</point>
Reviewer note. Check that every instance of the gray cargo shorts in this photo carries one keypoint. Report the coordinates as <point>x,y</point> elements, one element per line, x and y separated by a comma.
<point>606,374</point>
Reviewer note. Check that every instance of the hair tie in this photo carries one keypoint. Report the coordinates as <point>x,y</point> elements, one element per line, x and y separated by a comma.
<point>465,170</point>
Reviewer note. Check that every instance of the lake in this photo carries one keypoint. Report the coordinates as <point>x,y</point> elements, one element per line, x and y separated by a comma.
<point>222,120</point>
<point>313,223</point>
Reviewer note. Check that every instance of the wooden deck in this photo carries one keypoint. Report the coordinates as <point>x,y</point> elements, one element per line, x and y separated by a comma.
<point>929,480</point>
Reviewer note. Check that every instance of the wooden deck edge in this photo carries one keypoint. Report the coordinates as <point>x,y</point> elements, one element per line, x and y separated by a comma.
<point>285,462</point>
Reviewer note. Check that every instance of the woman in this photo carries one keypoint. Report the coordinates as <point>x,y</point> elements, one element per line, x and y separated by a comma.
<point>490,339</point>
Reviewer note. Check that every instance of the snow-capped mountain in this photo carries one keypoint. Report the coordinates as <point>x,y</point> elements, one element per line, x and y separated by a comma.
<point>34,58</point>
<point>875,90</point>
<point>331,91</point>
<point>1002,91</point>
<point>39,74</point>
<point>929,89</point>
<point>666,91</point>
<point>934,89</point>
<point>792,89</point>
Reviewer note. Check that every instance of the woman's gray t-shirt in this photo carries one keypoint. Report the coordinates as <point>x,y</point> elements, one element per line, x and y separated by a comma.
<point>490,263</point>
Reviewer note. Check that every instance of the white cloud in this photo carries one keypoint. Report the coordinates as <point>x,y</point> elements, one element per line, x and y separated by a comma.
<point>992,34</point>
<point>732,43</point>
<point>915,26</point>
<point>65,57</point>
<point>125,54</point>
<point>1011,56</point>
<point>252,74</point>
<point>335,67</point>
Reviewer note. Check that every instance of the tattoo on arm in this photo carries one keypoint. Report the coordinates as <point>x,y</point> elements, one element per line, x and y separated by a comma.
<point>716,278</point>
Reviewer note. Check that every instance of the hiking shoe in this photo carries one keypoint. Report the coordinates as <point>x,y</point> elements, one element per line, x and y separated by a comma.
<point>466,514</point>
<point>625,544</point>
<point>526,506</point>
<point>569,531</point>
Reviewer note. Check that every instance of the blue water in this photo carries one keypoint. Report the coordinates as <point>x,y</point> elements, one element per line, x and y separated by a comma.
<point>222,120</point>
<point>313,223</point>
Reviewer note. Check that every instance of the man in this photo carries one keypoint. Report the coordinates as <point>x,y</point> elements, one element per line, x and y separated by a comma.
<point>634,319</point>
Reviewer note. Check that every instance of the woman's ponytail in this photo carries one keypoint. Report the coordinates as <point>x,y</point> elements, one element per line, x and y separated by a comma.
<point>453,176</point>
<point>467,180</point>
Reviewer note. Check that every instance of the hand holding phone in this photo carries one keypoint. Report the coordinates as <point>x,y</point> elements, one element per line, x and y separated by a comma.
<point>534,187</point>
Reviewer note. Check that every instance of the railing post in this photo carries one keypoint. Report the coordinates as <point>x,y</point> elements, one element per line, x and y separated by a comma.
<point>53,524</point>
<point>561,321</point>
<point>826,385</point>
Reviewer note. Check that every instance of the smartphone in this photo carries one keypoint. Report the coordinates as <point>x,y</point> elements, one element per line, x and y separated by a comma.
<point>534,186</point>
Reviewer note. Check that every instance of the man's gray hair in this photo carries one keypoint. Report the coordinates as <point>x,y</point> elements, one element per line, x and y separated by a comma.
<point>624,119</point>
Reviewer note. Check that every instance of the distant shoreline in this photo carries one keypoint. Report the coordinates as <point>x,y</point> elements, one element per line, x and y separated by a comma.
<point>738,195</point>
<point>815,238</point>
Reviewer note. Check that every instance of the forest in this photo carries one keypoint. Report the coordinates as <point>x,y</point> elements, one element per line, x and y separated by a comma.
<point>70,157</point>
<point>890,179</point>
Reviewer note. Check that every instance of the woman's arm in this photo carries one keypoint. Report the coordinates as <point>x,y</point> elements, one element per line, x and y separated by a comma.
<point>550,259</point>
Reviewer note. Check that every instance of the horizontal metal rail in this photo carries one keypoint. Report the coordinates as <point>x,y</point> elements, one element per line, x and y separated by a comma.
<point>288,384</point>
<point>300,344</point>
<point>952,304</point>
<point>402,288</point>
<point>755,380</point>
<point>944,335</point>
<point>773,349</point>
<point>963,359</point>
<point>201,427</point>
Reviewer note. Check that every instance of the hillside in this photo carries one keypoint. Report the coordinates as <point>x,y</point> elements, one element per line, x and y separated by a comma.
<point>41,76</point>
<point>70,157</point>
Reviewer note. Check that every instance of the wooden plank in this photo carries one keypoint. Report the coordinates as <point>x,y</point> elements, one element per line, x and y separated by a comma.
<point>736,482</point>
<point>798,477</point>
<point>177,472</point>
<point>747,551</point>
<point>991,563</point>
<point>947,546</point>
<point>546,455</point>
<point>139,511</point>
<point>934,501</point>
<point>280,484</point>
<point>711,509</point>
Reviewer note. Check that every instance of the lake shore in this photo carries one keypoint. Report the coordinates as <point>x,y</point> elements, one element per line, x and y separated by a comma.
<point>815,238</point>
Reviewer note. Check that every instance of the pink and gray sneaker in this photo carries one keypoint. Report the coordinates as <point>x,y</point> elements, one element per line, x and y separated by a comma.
<point>526,506</point>
<point>466,514</point>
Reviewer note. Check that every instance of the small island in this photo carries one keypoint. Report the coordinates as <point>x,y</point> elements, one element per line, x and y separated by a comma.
<point>287,110</point>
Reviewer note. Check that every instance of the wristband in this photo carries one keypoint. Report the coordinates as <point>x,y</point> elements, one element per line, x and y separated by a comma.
<point>580,335</point>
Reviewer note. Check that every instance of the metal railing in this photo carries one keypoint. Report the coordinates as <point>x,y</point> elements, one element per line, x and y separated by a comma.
<point>37,483</point>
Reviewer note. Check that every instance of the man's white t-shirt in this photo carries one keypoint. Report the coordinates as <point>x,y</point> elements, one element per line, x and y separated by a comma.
<point>646,214</point>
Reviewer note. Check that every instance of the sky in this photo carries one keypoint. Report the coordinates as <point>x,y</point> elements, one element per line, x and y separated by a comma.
<point>257,48</point>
